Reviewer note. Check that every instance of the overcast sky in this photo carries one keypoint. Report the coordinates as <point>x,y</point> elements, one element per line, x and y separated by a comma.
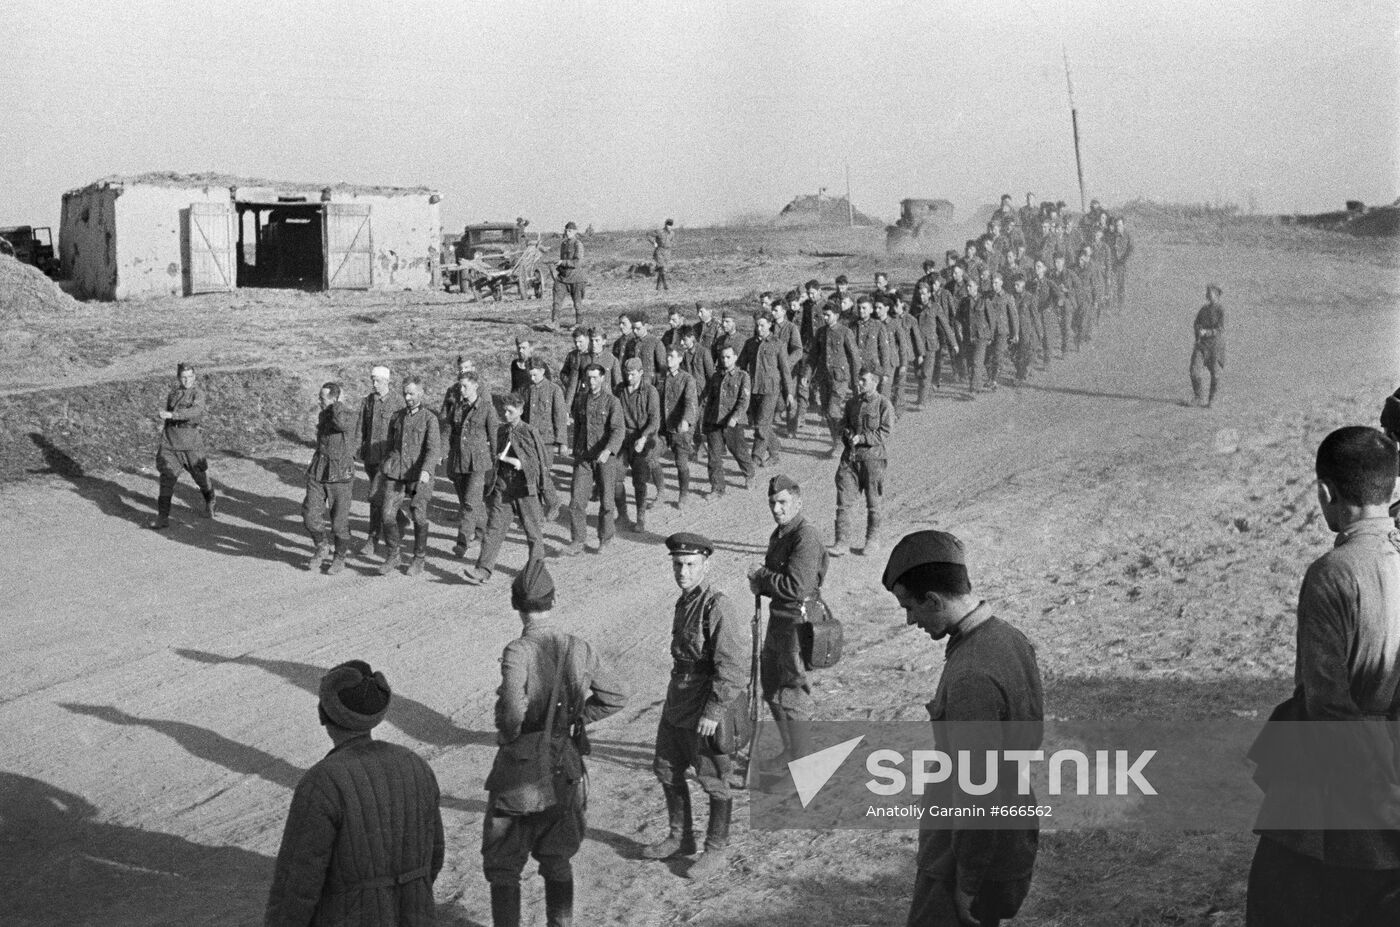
<point>621,113</point>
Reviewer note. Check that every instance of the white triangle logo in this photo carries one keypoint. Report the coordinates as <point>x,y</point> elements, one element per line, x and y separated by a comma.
<point>811,772</point>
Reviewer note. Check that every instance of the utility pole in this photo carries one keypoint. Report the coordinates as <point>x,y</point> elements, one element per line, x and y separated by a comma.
<point>1074,122</point>
<point>850,207</point>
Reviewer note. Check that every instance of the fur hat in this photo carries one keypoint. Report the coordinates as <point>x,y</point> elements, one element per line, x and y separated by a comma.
<point>353,696</point>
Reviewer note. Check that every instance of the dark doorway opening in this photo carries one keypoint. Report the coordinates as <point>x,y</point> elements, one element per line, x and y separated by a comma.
<point>281,245</point>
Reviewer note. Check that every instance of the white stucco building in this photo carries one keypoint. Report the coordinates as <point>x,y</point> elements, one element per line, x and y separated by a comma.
<point>172,234</point>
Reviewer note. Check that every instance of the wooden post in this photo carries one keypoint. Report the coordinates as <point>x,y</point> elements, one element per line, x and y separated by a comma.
<point>1074,123</point>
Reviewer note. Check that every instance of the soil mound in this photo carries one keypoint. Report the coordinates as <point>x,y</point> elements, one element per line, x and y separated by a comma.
<point>26,293</point>
<point>822,210</point>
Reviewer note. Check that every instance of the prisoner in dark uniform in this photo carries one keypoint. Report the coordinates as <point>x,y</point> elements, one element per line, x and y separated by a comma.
<point>330,479</point>
<point>765,360</point>
<point>707,677</point>
<point>790,578</point>
<point>407,477</point>
<point>470,422</point>
<point>873,344</point>
<point>680,406</point>
<point>569,278</point>
<point>546,410</point>
<point>1208,354</point>
<point>835,363</point>
<point>938,338</point>
<point>641,422</point>
<point>376,410</point>
<point>598,353</point>
<point>707,329</point>
<point>726,409</point>
<point>182,446</point>
<point>1028,332</point>
<point>571,371</point>
<point>865,429</point>
<point>588,692</point>
<point>598,434</point>
<point>523,489</point>
<point>990,677</point>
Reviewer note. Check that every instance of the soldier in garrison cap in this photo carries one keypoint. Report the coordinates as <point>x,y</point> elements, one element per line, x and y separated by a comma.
<point>372,432</point>
<point>1208,353</point>
<point>790,578</point>
<point>707,677</point>
<point>588,692</point>
<point>364,833</point>
<point>965,875</point>
<point>182,446</point>
<point>330,479</point>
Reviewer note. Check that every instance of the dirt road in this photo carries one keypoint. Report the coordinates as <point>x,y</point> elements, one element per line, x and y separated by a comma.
<point>158,704</point>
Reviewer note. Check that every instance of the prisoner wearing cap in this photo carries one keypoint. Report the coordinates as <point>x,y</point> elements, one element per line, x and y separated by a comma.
<point>918,549</point>
<point>533,589</point>
<point>181,367</point>
<point>380,371</point>
<point>782,483</point>
<point>684,543</point>
<point>354,697</point>
<point>570,225</point>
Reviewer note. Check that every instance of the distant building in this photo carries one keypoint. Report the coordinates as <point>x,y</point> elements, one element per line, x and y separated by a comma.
<point>172,234</point>
<point>819,209</point>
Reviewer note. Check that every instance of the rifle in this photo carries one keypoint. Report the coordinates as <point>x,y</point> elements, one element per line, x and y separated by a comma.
<point>755,718</point>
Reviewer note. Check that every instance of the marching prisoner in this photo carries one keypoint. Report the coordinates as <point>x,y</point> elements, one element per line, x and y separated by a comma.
<point>520,364</point>
<point>790,577</point>
<point>522,489</point>
<point>889,336</point>
<point>728,337</point>
<point>547,411</point>
<point>571,371</point>
<point>707,679</point>
<point>789,339</point>
<point>470,421</point>
<point>765,361</point>
<point>835,363</point>
<point>330,480</point>
<point>406,477</point>
<point>363,842</point>
<point>641,422</point>
<point>600,355</point>
<point>707,328</point>
<point>646,347</point>
<point>938,339</point>
<point>1344,869</point>
<point>598,434</point>
<point>531,665</point>
<point>872,338</point>
<point>569,278</point>
<point>865,428</point>
<point>1208,353</point>
<point>726,408</point>
<point>680,398</point>
<point>376,410</point>
<point>182,446</point>
<point>965,875</point>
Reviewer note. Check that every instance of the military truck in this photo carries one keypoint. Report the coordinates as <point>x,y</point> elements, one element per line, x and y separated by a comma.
<point>918,218</point>
<point>30,245</point>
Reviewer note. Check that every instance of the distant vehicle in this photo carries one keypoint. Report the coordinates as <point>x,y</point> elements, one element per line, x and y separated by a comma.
<point>494,257</point>
<point>30,245</point>
<point>489,239</point>
<point>918,218</point>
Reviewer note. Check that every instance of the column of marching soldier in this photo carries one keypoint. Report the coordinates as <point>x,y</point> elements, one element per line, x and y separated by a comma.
<point>695,386</point>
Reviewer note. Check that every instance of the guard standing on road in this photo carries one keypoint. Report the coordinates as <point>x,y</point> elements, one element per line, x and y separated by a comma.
<point>791,577</point>
<point>865,429</point>
<point>707,677</point>
<point>569,278</point>
<point>587,693</point>
<point>330,481</point>
<point>598,434</point>
<point>407,477</point>
<point>376,410</point>
<point>967,875</point>
<point>182,446</point>
<point>1208,355</point>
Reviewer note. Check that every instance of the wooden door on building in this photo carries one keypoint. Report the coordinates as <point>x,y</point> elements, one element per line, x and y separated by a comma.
<point>349,248</point>
<point>210,236</point>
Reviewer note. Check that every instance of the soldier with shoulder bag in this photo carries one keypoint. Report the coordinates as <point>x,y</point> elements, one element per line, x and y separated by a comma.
<point>705,717</point>
<point>801,634</point>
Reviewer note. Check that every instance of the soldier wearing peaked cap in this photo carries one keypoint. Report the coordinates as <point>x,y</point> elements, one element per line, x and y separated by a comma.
<point>967,875</point>
<point>790,578</point>
<point>363,841</point>
<point>533,665</point>
<point>707,680</point>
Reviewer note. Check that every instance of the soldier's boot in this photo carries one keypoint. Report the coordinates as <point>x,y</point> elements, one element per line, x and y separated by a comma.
<point>210,500</point>
<point>872,534</point>
<point>369,545</point>
<point>338,560</point>
<point>640,523</point>
<point>923,394</point>
<point>162,519</point>
<point>777,765</point>
<point>505,905</point>
<point>558,902</point>
<point>320,555</point>
<point>681,840</point>
<point>715,859</point>
<point>415,566</point>
<point>391,562</point>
